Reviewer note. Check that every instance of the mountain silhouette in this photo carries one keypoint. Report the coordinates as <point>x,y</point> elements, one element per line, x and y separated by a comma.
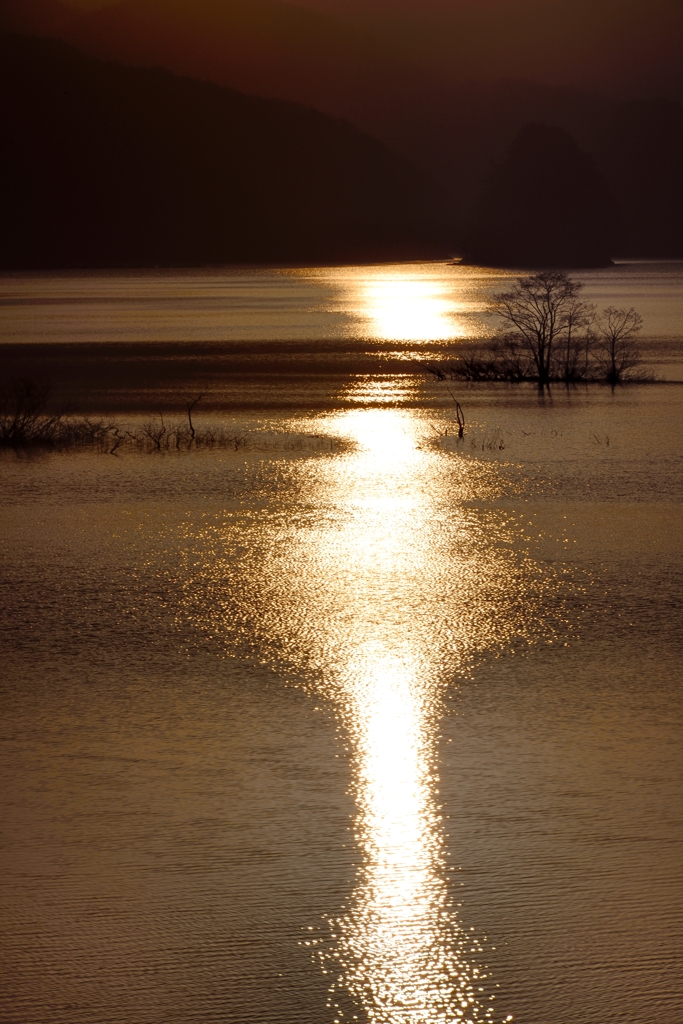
<point>545,205</point>
<point>446,83</point>
<point>109,165</point>
<point>609,46</point>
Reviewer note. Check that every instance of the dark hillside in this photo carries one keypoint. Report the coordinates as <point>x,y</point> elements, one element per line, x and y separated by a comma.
<point>545,205</point>
<point>448,84</point>
<point>107,165</point>
<point>641,153</point>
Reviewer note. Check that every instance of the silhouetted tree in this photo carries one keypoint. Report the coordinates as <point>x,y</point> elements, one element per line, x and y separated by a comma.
<point>552,335</point>
<point>544,314</point>
<point>615,350</point>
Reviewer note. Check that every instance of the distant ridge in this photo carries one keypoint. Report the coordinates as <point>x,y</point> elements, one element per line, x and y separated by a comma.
<point>545,205</point>
<point>447,84</point>
<point>109,165</point>
<point>306,49</point>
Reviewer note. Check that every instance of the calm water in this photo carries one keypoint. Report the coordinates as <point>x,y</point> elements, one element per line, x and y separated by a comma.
<point>358,722</point>
<point>415,306</point>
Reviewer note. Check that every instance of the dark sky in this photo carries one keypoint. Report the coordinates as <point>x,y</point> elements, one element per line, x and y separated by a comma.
<point>615,47</point>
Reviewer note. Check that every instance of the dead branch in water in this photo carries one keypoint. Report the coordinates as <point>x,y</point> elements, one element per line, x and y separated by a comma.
<point>460,416</point>
<point>190,405</point>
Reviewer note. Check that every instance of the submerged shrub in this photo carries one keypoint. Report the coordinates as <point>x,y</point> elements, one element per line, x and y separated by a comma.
<point>24,423</point>
<point>22,413</point>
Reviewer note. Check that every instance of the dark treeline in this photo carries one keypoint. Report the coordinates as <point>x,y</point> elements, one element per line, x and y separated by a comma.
<point>106,165</point>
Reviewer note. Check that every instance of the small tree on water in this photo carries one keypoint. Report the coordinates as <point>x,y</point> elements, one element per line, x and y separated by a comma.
<point>552,335</point>
<point>616,352</point>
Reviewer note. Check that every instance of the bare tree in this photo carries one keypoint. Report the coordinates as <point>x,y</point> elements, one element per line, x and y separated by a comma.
<point>22,413</point>
<point>573,354</point>
<point>459,414</point>
<point>544,312</point>
<point>616,351</point>
<point>190,406</point>
<point>155,432</point>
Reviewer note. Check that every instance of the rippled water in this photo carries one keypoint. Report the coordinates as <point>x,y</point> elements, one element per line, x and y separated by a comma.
<point>361,721</point>
<point>403,302</point>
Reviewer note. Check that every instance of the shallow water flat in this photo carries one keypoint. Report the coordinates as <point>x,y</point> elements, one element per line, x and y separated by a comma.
<point>385,728</point>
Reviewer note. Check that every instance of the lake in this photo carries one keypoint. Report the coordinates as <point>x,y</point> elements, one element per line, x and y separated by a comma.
<point>354,719</point>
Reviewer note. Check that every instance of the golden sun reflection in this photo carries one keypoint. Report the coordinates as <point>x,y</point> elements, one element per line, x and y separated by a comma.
<point>404,308</point>
<point>381,434</point>
<point>373,582</point>
<point>401,947</point>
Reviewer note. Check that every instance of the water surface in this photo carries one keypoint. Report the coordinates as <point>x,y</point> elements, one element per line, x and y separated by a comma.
<point>360,721</point>
<point>406,303</point>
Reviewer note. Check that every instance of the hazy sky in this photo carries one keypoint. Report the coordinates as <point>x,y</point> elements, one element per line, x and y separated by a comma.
<point>614,47</point>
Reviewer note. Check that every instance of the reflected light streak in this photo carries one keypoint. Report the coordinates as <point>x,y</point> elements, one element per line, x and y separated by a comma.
<point>375,586</point>
<point>400,946</point>
<point>410,309</point>
<point>386,443</point>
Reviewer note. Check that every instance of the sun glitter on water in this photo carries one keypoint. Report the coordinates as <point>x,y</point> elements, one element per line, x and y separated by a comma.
<point>404,308</point>
<point>374,585</point>
<point>403,954</point>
